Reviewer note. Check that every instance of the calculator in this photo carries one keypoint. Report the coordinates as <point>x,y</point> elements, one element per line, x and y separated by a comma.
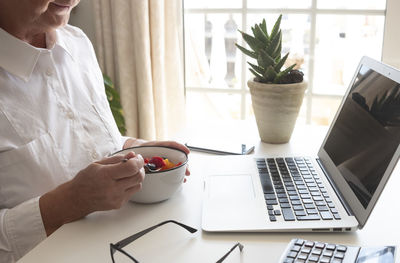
<point>301,251</point>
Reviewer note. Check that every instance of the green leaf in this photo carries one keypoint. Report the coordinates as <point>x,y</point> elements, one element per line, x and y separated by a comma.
<point>107,81</point>
<point>259,34</point>
<point>113,92</point>
<point>280,63</point>
<point>277,53</point>
<point>270,74</point>
<point>264,60</point>
<point>119,120</point>
<point>263,26</point>
<point>258,76</point>
<point>253,42</point>
<point>276,27</point>
<point>258,69</point>
<point>115,104</point>
<point>283,73</point>
<point>247,52</point>
<point>274,44</point>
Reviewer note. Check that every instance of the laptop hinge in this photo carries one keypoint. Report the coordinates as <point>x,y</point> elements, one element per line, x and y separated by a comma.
<point>339,195</point>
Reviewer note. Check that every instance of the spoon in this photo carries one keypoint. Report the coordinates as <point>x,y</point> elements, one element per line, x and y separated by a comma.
<point>151,167</point>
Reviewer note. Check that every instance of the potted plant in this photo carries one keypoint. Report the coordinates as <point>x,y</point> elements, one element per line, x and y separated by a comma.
<point>115,104</point>
<point>276,92</point>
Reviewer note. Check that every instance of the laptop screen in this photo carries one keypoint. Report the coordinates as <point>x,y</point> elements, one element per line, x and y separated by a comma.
<point>366,133</point>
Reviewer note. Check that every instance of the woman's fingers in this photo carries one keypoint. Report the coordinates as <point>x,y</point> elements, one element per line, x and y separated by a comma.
<point>131,191</point>
<point>116,158</point>
<point>172,144</point>
<point>129,182</point>
<point>126,167</point>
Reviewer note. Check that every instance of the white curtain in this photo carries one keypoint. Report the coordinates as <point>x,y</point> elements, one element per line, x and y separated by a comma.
<point>139,45</point>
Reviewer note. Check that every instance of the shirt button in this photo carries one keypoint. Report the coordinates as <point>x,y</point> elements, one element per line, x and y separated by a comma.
<point>49,72</point>
<point>70,114</point>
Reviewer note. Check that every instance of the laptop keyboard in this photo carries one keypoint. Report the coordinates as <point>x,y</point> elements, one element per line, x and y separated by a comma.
<point>293,189</point>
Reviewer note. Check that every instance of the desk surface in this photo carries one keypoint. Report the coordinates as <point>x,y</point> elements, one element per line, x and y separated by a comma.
<point>87,240</point>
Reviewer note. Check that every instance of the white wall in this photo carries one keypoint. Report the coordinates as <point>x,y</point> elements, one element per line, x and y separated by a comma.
<point>83,17</point>
<point>391,40</point>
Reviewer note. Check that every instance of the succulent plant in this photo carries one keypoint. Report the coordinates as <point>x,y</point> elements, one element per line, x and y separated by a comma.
<point>266,50</point>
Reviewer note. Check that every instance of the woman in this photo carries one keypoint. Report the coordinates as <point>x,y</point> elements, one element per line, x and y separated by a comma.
<point>55,126</point>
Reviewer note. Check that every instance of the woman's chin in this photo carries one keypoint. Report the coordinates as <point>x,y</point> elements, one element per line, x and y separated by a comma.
<point>59,9</point>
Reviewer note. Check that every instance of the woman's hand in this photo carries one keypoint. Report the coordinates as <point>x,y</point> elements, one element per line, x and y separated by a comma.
<point>103,185</point>
<point>132,142</point>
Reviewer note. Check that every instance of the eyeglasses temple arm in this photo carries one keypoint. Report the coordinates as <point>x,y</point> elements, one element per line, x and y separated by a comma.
<point>230,251</point>
<point>132,238</point>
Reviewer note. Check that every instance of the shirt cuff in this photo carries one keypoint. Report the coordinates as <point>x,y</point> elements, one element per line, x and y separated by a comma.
<point>24,227</point>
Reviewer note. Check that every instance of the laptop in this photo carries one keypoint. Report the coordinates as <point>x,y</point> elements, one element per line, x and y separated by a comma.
<point>333,191</point>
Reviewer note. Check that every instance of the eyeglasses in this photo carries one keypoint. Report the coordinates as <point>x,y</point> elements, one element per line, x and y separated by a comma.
<point>123,243</point>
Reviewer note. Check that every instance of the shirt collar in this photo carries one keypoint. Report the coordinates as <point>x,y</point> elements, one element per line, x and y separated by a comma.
<point>20,58</point>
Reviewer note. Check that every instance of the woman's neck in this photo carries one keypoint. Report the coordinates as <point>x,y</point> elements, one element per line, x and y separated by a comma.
<point>26,33</point>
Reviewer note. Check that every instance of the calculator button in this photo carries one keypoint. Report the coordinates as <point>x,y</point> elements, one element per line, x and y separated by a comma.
<point>296,248</point>
<point>306,250</point>
<point>341,248</point>
<point>325,260</point>
<point>288,260</point>
<point>299,242</point>
<point>309,244</point>
<point>339,255</point>
<point>319,245</point>
<point>302,256</point>
<point>330,247</point>
<point>313,258</point>
<point>328,253</point>
<point>292,254</point>
<point>316,251</point>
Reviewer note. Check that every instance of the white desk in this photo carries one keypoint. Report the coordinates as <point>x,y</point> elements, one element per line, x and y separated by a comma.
<point>88,240</point>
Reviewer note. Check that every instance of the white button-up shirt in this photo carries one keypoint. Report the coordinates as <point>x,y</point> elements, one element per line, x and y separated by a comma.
<point>54,121</point>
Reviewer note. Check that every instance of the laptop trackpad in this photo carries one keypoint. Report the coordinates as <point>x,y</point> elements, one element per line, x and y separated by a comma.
<point>231,187</point>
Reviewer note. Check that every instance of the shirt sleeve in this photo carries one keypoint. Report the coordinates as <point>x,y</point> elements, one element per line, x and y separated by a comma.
<point>123,140</point>
<point>21,229</point>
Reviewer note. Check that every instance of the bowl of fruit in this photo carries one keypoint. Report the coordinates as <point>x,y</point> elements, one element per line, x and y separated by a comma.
<point>165,169</point>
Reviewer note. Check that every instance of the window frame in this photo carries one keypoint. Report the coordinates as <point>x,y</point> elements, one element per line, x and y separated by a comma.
<point>312,11</point>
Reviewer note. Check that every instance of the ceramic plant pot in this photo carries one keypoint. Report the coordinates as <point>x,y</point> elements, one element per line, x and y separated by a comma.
<point>276,107</point>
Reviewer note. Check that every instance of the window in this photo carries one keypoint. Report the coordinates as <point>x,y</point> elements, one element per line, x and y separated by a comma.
<point>326,39</point>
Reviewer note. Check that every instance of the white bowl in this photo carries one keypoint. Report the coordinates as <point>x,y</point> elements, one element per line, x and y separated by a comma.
<point>161,185</point>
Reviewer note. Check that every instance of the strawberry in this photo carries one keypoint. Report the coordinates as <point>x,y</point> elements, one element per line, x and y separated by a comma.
<point>157,161</point>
